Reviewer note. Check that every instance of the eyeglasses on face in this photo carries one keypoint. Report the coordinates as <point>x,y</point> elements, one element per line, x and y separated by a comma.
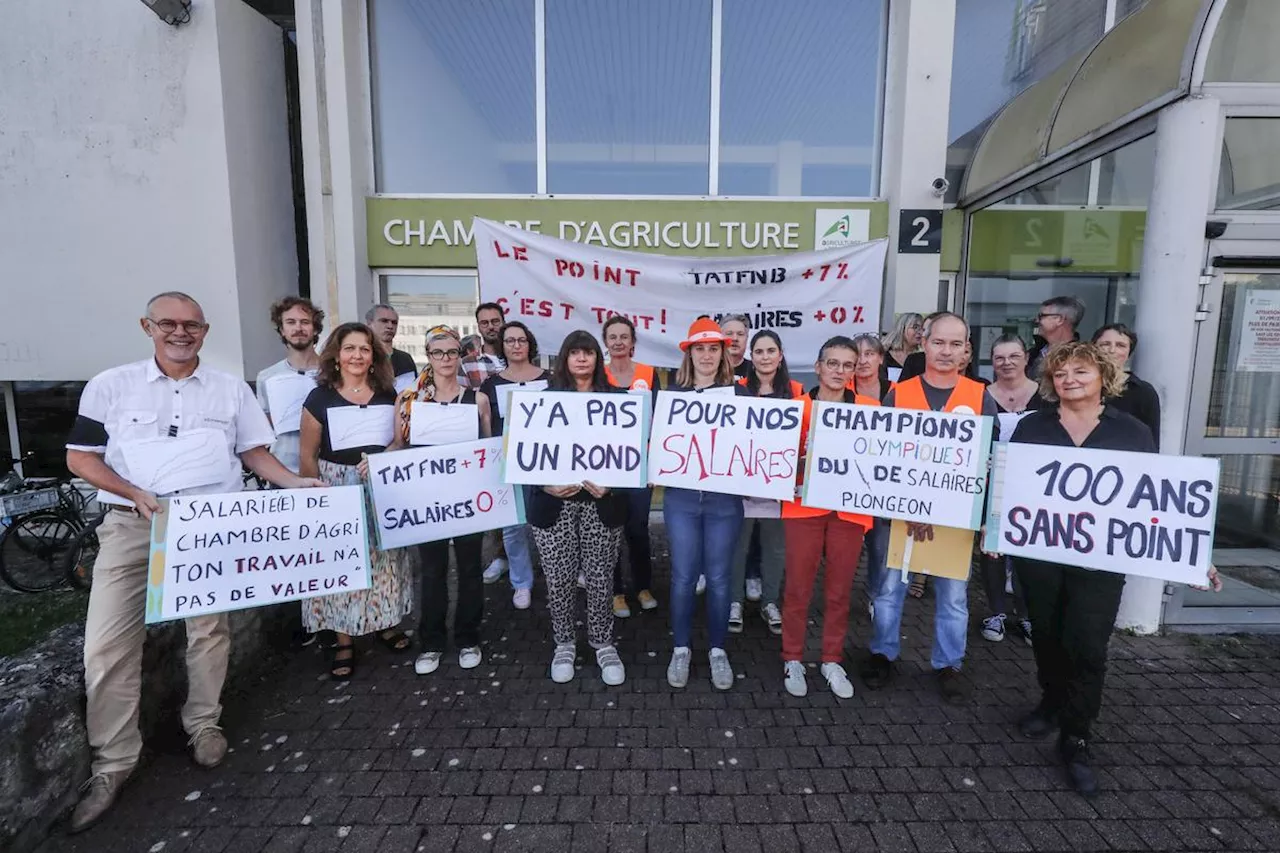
<point>441,354</point>
<point>1042,315</point>
<point>515,342</point>
<point>839,366</point>
<point>191,327</point>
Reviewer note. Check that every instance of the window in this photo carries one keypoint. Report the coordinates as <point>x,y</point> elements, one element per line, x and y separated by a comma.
<point>46,413</point>
<point>426,301</point>
<point>1249,178</point>
<point>453,96</point>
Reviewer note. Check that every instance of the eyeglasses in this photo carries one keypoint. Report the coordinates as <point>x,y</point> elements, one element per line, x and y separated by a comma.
<point>441,354</point>
<point>839,366</point>
<point>191,327</point>
<point>1043,315</point>
<point>513,342</point>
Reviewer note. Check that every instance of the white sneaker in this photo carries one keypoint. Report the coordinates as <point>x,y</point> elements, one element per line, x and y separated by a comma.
<point>427,663</point>
<point>612,672</point>
<point>562,663</point>
<point>993,628</point>
<point>721,672</point>
<point>522,598</point>
<point>755,589</point>
<point>496,570</point>
<point>469,658</point>
<point>793,678</point>
<point>838,680</point>
<point>678,669</point>
<point>772,617</point>
<point>701,585</point>
<point>735,618</point>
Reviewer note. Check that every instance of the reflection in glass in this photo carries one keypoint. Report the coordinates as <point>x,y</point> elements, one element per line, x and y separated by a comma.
<point>1248,503</point>
<point>1249,177</point>
<point>453,96</point>
<point>46,412</point>
<point>628,97</point>
<point>798,97</point>
<point>426,301</point>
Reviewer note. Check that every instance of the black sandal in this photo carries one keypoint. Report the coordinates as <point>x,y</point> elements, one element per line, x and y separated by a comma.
<point>347,662</point>
<point>917,586</point>
<point>394,640</point>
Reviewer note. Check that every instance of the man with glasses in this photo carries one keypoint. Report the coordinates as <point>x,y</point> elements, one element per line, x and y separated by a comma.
<point>488,360</point>
<point>143,415</point>
<point>385,321</point>
<point>1056,323</point>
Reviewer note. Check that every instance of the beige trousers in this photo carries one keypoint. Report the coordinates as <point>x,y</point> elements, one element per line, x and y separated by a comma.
<point>114,634</point>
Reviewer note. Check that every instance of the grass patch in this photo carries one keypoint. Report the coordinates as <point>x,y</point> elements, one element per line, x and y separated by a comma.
<point>25,620</point>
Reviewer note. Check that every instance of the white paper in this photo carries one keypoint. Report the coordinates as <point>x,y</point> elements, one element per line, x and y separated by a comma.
<point>504,393</point>
<point>760,508</point>
<point>894,373</point>
<point>165,465</point>
<point>715,389</point>
<point>443,423</point>
<point>1008,423</point>
<point>405,380</point>
<point>361,426</point>
<point>285,395</point>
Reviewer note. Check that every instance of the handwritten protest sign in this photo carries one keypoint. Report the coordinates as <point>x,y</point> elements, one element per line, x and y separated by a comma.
<point>1135,513</point>
<point>558,438</point>
<point>212,553</point>
<point>898,463</point>
<point>745,446</point>
<point>425,494</point>
<point>560,285</point>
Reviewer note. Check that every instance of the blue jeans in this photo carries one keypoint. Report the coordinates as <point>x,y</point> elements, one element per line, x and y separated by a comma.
<point>702,530</point>
<point>519,559</point>
<point>877,546</point>
<point>950,621</point>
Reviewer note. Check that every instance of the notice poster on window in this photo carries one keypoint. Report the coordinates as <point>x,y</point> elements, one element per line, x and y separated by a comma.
<point>1260,333</point>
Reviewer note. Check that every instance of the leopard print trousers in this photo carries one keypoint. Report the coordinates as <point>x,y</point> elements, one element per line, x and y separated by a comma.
<point>579,543</point>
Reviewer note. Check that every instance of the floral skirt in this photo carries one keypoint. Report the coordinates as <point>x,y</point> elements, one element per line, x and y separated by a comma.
<point>390,594</point>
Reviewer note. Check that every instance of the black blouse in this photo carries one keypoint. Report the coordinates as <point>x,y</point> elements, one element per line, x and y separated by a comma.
<point>490,390</point>
<point>1115,431</point>
<point>1141,400</point>
<point>322,399</point>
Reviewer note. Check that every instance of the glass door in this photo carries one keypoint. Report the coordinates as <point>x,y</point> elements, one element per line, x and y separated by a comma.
<point>1235,416</point>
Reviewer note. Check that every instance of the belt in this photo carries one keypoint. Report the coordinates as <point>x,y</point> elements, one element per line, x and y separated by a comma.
<point>121,508</point>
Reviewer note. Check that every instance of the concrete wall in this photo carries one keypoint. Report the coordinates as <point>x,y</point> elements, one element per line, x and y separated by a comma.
<point>114,180</point>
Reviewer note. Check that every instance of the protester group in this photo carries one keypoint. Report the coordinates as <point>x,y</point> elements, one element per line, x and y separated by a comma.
<point>361,402</point>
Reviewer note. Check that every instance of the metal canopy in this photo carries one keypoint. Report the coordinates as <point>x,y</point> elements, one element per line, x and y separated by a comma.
<point>1141,64</point>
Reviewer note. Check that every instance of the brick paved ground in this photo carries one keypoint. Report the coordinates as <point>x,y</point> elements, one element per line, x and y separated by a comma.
<point>502,759</point>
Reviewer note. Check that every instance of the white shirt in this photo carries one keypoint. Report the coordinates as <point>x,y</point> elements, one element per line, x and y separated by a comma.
<point>287,445</point>
<point>135,405</point>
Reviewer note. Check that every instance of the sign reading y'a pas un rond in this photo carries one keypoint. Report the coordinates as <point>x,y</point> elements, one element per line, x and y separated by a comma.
<point>425,494</point>
<point>898,463</point>
<point>1134,513</point>
<point>560,438</point>
<point>213,553</point>
<point>713,441</point>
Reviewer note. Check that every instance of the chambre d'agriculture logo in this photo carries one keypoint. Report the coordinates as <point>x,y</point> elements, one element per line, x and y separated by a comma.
<point>839,228</point>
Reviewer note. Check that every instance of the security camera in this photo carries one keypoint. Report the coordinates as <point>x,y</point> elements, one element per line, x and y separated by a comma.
<point>940,186</point>
<point>172,12</point>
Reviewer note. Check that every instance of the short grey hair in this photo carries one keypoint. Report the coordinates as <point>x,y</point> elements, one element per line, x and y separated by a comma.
<point>373,312</point>
<point>173,294</point>
<point>1069,308</point>
<point>741,318</point>
<point>932,319</point>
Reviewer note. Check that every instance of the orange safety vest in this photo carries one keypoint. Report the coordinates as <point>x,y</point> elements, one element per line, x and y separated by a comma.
<point>966,397</point>
<point>643,380</point>
<point>793,509</point>
<point>797,390</point>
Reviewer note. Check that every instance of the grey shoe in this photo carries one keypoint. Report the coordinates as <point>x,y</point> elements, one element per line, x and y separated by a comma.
<point>100,793</point>
<point>678,669</point>
<point>772,617</point>
<point>209,747</point>
<point>721,672</point>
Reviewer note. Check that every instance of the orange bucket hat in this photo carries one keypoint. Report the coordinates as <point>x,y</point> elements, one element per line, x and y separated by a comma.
<point>704,331</point>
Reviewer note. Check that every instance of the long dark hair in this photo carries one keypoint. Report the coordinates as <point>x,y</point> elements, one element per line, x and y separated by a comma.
<point>330,374</point>
<point>533,342</point>
<point>579,340</point>
<point>781,379</point>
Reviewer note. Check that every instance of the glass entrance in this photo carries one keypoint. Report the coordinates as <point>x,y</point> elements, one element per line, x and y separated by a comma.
<point>1235,416</point>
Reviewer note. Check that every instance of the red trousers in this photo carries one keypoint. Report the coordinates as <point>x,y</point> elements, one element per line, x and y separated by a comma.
<point>807,539</point>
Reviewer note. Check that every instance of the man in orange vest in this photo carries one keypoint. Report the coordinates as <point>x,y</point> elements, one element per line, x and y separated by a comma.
<point>942,388</point>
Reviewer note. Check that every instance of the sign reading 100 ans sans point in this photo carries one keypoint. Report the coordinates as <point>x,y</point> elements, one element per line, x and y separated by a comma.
<point>214,553</point>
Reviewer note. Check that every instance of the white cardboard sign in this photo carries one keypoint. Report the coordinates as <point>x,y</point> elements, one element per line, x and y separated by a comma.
<point>443,423</point>
<point>560,438</point>
<point>734,445</point>
<point>1134,513</point>
<point>214,553</point>
<point>425,494</point>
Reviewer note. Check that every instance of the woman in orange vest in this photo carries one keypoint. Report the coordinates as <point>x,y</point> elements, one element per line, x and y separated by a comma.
<point>767,376</point>
<point>813,533</point>
<point>620,340</point>
<point>868,380</point>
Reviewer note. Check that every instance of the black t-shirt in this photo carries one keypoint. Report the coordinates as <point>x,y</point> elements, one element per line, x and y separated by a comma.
<point>743,368</point>
<point>1034,404</point>
<point>1141,400</point>
<point>490,390</point>
<point>322,399</point>
<point>1115,431</point>
<point>402,363</point>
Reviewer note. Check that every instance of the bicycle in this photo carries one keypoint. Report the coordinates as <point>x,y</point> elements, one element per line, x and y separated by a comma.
<point>42,517</point>
<point>82,554</point>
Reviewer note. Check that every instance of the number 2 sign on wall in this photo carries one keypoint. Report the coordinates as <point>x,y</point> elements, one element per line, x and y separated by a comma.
<point>919,232</point>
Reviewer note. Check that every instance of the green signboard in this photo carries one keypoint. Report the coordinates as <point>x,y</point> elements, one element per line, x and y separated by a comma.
<point>1058,241</point>
<point>437,232</point>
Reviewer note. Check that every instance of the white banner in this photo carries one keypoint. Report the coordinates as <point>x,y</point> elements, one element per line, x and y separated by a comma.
<point>898,463</point>
<point>560,438</point>
<point>425,494</point>
<point>1133,513</point>
<point>734,445</point>
<point>557,286</point>
<point>213,553</point>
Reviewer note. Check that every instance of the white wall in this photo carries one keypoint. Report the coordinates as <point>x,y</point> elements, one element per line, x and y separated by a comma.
<point>114,183</point>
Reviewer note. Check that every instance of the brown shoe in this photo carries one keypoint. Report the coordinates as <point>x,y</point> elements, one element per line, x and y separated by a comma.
<point>100,793</point>
<point>209,747</point>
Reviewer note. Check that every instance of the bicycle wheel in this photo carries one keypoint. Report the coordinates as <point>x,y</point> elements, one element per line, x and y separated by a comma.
<point>33,550</point>
<point>79,560</point>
